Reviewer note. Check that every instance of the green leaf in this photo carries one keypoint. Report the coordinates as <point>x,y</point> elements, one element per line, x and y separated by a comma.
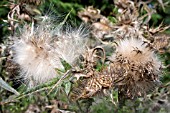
<point>6,86</point>
<point>65,19</point>
<point>66,65</point>
<point>67,87</point>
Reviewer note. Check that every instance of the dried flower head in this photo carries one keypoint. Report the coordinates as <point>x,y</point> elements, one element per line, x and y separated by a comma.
<point>100,24</point>
<point>34,54</point>
<point>137,66</point>
<point>22,11</point>
<point>92,82</point>
<point>39,51</point>
<point>161,42</point>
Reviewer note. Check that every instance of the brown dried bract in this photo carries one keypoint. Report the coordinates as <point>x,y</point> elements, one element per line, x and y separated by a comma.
<point>92,81</point>
<point>22,11</point>
<point>100,24</point>
<point>34,2</point>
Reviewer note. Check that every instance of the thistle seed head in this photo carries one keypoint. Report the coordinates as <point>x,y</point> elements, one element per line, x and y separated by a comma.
<point>137,65</point>
<point>39,50</point>
<point>36,56</point>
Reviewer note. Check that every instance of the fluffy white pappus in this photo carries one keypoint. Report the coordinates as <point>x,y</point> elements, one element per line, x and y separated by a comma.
<point>138,52</point>
<point>36,57</point>
<point>138,67</point>
<point>71,44</point>
<point>39,51</point>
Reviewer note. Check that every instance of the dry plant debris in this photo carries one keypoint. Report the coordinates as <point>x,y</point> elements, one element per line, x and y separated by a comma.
<point>132,68</point>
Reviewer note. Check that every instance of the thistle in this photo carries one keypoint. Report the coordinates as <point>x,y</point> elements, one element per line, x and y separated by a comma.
<point>39,51</point>
<point>136,66</point>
